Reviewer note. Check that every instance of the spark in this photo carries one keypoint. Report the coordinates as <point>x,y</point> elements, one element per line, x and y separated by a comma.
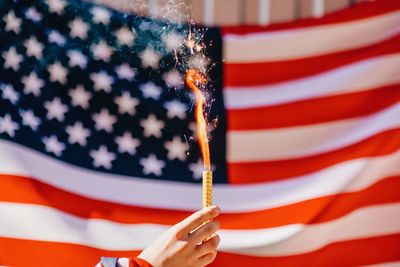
<point>187,145</point>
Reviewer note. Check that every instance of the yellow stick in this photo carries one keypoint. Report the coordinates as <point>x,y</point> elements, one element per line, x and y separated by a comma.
<point>207,188</point>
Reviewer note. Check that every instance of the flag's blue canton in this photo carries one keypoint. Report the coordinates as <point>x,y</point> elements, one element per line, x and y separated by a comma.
<point>102,90</point>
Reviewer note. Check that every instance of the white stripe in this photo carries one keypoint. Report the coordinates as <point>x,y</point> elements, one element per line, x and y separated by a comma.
<point>34,222</point>
<point>385,264</point>
<point>313,41</point>
<point>362,223</point>
<point>153,6</point>
<point>357,77</point>
<point>318,8</point>
<point>264,11</point>
<point>208,12</point>
<point>344,177</point>
<point>303,141</point>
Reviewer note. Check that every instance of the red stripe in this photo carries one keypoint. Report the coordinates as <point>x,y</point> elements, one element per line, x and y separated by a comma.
<point>318,210</point>
<point>24,190</point>
<point>248,74</point>
<point>348,253</point>
<point>330,108</point>
<point>378,145</point>
<point>27,190</point>
<point>27,253</point>
<point>356,12</point>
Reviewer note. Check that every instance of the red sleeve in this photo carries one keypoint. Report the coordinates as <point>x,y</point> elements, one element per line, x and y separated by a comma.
<point>137,262</point>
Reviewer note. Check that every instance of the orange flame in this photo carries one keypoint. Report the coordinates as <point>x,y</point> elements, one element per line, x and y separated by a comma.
<point>194,77</point>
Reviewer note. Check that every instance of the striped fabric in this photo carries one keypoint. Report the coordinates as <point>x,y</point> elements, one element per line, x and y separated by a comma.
<point>313,160</point>
<point>313,112</point>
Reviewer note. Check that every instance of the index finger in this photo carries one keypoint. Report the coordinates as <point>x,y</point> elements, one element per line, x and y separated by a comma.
<point>198,218</point>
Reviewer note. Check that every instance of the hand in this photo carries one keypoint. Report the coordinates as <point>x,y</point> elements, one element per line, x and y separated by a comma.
<point>190,243</point>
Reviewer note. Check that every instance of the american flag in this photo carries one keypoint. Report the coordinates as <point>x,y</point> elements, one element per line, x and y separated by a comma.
<point>97,147</point>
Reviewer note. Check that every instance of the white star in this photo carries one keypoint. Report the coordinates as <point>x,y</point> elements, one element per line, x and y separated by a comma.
<point>124,71</point>
<point>52,145</point>
<point>102,157</point>
<point>176,149</point>
<point>80,97</point>
<point>78,28</point>
<point>197,169</point>
<point>152,165</point>
<point>57,73</point>
<point>150,89</point>
<point>126,143</point>
<point>102,81</point>
<point>32,84</point>
<point>173,79</point>
<point>150,58</point>
<point>104,121</point>
<point>12,59</point>
<point>56,37</point>
<point>101,15</point>
<point>56,6</point>
<point>13,23</point>
<point>102,51</point>
<point>33,14</point>
<point>76,58</point>
<point>126,103</point>
<point>173,41</point>
<point>125,36</point>
<point>29,119</point>
<point>33,47</point>
<point>152,126</point>
<point>77,134</point>
<point>9,93</point>
<point>55,109</point>
<point>8,126</point>
<point>176,109</point>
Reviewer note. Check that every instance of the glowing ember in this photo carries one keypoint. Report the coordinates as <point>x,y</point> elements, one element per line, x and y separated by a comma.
<point>194,77</point>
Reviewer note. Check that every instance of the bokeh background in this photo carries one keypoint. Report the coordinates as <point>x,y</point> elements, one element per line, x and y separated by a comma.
<point>98,145</point>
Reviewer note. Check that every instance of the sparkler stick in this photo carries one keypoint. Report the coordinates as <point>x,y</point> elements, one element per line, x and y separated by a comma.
<point>194,77</point>
<point>207,189</point>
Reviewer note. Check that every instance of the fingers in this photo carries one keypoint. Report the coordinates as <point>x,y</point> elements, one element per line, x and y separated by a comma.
<point>204,232</point>
<point>198,218</point>
<point>208,246</point>
<point>206,259</point>
<point>207,251</point>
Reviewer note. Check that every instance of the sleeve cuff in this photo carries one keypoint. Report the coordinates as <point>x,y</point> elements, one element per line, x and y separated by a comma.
<point>123,262</point>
